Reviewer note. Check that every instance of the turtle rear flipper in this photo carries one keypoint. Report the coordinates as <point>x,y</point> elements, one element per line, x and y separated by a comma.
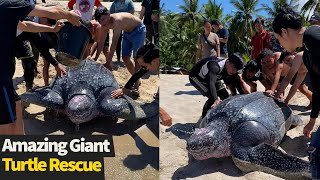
<point>126,108</point>
<point>268,159</point>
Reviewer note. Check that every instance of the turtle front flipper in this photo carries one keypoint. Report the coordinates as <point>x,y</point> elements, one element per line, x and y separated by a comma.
<point>45,97</point>
<point>268,159</point>
<point>251,152</point>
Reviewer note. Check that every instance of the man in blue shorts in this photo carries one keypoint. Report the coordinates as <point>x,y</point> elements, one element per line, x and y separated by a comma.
<point>134,33</point>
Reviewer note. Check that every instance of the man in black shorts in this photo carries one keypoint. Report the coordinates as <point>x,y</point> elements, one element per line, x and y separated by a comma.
<point>11,12</point>
<point>24,53</point>
<point>207,75</point>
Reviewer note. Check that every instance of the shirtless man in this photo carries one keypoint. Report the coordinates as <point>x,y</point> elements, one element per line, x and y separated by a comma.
<point>275,71</point>
<point>134,33</point>
<point>269,63</point>
<point>95,29</point>
<point>276,66</point>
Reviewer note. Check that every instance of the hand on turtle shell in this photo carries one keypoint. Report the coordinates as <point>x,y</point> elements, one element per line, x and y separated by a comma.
<point>216,102</point>
<point>269,93</point>
<point>117,93</point>
<point>61,70</point>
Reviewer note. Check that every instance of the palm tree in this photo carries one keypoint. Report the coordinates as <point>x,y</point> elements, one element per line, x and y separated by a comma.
<point>275,7</point>
<point>212,10</point>
<point>178,41</point>
<point>191,11</point>
<point>242,21</point>
<point>309,6</point>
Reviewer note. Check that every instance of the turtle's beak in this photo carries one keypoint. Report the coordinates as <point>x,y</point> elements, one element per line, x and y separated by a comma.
<point>200,143</point>
<point>80,108</point>
<point>208,143</point>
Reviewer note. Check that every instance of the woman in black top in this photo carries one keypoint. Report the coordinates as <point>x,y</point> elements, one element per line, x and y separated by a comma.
<point>288,29</point>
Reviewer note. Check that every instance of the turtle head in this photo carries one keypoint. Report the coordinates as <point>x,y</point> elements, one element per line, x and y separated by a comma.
<point>212,141</point>
<point>81,105</point>
<point>80,108</point>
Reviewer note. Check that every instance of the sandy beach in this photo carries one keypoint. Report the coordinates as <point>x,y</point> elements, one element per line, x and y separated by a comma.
<point>184,103</point>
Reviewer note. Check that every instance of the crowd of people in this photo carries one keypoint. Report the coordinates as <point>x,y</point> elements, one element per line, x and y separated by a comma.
<point>292,59</point>
<point>32,30</point>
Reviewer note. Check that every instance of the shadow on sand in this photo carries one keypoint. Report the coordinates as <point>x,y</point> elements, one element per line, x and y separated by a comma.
<point>149,154</point>
<point>17,81</point>
<point>296,146</point>
<point>54,122</point>
<point>305,113</point>
<point>193,92</point>
<point>298,108</point>
<point>197,168</point>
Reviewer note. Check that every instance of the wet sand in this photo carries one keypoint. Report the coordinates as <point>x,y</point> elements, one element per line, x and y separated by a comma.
<point>184,103</point>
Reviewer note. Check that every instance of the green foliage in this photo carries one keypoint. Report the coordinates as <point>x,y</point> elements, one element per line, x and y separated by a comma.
<point>212,10</point>
<point>272,10</point>
<point>241,25</point>
<point>178,42</point>
<point>246,57</point>
<point>179,34</point>
<point>309,6</point>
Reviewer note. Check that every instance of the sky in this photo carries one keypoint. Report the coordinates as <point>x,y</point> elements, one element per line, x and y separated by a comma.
<point>172,5</point>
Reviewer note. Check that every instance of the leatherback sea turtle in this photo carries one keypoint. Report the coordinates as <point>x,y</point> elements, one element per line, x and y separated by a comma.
<point>249,128</point>
<point>85,93</point>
